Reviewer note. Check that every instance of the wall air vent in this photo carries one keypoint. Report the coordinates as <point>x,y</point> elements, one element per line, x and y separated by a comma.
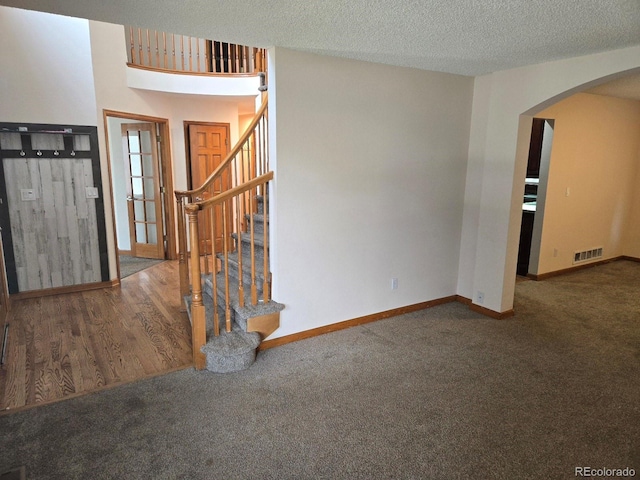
<point>587,255</point>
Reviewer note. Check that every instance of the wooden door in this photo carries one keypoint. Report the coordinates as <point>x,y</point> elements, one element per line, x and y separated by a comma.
<point>144,198</point>
<point>208,147</point>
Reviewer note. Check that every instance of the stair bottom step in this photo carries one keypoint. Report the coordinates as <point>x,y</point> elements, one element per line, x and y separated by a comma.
<point>231,351</point>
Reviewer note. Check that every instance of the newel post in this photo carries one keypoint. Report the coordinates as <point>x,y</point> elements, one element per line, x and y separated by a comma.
<point>198,328</point>
<point>183,267</point>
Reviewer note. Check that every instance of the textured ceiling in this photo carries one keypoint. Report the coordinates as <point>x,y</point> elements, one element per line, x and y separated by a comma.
<point>468,37</point>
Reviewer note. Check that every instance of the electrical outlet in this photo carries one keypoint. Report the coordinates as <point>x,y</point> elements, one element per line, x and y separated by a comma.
<point>555,252</point>
<point>480,298</point>
<point>394,284</point>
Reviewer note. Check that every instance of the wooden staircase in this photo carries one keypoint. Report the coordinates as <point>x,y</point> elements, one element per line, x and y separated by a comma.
<point>227,293</point>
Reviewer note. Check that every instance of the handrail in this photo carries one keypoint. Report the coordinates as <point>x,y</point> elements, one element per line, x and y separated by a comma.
<point>262,111</point>
<point>228,194</point>
<point>186,72</point>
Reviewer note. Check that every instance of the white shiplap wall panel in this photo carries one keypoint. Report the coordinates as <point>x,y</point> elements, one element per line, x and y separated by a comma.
<point>55,237</point>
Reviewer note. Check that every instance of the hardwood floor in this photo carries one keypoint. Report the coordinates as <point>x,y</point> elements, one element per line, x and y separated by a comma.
<point>67,345</point>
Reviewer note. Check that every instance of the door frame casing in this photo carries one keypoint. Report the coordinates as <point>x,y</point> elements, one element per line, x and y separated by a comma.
<point>166,170</point>
<point>5,305</point>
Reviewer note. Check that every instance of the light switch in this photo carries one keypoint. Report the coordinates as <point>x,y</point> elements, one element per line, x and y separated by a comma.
<point>92,192</point>
<point>27,194</point>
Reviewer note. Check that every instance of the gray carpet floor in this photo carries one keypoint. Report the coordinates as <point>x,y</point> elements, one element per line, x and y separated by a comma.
<point>443,393</point>
<point>130,265</point>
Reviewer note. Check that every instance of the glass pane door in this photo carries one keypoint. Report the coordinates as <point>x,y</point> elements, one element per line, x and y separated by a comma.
<point>143,190</point>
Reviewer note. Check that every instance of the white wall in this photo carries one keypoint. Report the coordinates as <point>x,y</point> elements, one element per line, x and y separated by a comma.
<point>243,122</point>
<point>38,50</point>
<point>500,130</point>
<point>192,84</point>
<point>595,156</point>
<point>370,170</point>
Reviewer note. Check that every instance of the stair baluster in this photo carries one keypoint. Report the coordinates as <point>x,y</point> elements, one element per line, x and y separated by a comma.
<point>183,266</point>
<point>254,289</point>
<point>239,222</point>
<point>266,280</point>
<point>214,276</point>
<point>225,243</point>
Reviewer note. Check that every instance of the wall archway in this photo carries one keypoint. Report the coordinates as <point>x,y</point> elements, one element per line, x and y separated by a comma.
<point>577,213</point>
<point>504,105</point>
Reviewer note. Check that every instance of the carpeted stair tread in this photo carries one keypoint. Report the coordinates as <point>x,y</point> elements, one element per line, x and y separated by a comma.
<point>261,308</point>
<point>230,351</point>
<point>258,238</point>
<point>240,314</point>
<point>234,297</point>
<point>207,301</point>
<point>260,203</point>
<point>258,218</point>
<point>246,268</point>
<point>235,342</point>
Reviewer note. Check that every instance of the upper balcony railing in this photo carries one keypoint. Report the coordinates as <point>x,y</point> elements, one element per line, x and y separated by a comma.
<point>183,54</point>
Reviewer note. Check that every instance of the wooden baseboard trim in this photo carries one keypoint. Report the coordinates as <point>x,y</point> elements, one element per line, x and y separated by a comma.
<point>62,290</point>
<point>463,300</point>
<point>334,327</point>
<point>491,313</point>
<point>483,310</point>
<point>631,259</point>
<point>564,271</point>
<point>124,252</point>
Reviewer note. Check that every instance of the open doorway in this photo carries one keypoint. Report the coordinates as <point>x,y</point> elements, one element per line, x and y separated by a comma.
<point>585,210</point>
<point>140,174</point>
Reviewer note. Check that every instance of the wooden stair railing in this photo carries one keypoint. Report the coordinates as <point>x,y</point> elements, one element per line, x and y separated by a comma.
<point>231,200</point>
<point>246,161</point>
<point>152,49</point>
<point>223,207</point>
